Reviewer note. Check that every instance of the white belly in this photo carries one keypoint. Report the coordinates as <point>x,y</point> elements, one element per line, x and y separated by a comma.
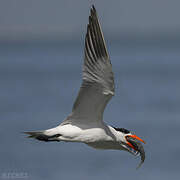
<point>87,135</point>
<point>99,137</point>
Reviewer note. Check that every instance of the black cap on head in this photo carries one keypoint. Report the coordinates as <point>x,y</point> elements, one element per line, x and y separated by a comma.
<point>123,130</point>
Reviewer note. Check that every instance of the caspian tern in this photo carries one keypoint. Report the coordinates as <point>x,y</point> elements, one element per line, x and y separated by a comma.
<point>85,123</point>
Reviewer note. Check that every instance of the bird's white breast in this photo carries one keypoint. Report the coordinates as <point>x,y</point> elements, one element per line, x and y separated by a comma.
<point>84,134</point>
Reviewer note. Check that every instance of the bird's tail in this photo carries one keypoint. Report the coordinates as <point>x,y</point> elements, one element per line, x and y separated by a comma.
<point>43,136</point>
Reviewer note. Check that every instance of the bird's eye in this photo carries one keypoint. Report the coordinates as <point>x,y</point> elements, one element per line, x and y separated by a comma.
<point>123,130</point>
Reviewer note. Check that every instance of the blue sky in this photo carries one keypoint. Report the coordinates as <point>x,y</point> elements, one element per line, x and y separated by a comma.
<point>68,18</point>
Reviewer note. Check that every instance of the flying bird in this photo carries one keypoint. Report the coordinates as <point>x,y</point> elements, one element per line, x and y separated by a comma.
<point>85,124</point>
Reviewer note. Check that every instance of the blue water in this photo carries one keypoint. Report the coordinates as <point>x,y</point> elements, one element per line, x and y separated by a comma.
<point>38,85</point>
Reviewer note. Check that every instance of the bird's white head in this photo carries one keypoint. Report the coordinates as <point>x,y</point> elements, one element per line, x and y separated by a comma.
<point>132,143</point>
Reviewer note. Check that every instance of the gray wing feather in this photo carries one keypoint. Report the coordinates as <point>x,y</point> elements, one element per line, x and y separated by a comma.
<point>98,81</point>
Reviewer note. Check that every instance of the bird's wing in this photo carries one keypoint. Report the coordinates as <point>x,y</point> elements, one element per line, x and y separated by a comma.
<point>98,81</point>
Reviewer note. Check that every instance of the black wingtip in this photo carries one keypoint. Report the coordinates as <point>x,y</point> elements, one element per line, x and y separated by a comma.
<point>90,19</point>
<point>93,9</point>
<point>93,14</point>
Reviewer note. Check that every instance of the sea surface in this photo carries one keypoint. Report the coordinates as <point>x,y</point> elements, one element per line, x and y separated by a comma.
<point>38,85</point>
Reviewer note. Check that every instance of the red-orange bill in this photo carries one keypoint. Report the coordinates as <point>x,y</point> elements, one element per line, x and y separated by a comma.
<point>134,142</point>
<point>136,137</point>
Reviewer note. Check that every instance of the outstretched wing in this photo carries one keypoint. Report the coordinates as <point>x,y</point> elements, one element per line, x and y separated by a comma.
<point>98,81</point>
